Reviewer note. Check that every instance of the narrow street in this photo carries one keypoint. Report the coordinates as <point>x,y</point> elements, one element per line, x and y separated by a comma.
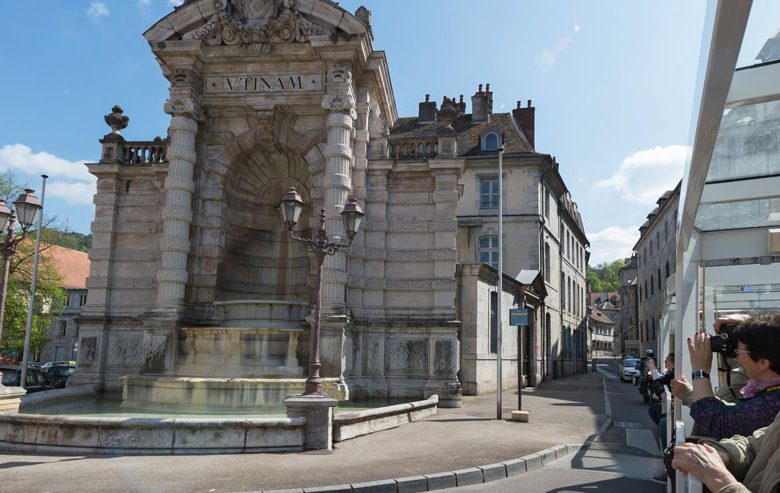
<point>623,457</point>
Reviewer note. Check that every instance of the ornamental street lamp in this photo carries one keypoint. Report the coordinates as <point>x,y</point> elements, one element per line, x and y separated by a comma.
<point>320,245</point>
<point>27,207</point>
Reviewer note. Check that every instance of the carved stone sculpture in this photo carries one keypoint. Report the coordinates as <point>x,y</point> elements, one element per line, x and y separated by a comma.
<point>116,119</point>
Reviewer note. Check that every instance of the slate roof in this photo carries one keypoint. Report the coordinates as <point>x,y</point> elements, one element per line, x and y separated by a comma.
<point>599,317</point>
<point>467,132</point>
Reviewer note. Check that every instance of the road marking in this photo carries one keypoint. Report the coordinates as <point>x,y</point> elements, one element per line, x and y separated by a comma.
<point>642,439</point>
<point>629,424</point>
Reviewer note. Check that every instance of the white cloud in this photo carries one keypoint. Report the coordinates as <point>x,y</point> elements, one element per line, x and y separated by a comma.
<point>612,243</point>
<point>644,175</point>
<point>77,193</point>
<point>19,157</point>
<point>70,180</point>
<point>176,3</point>
<point>97,10</point>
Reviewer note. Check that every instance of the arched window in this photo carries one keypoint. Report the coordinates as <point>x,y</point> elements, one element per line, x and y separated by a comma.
<point>652,285</point>
<point>659,279</point>
<point>490,142</point>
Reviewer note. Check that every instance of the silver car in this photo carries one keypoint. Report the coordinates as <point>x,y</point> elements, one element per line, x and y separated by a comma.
<point>629,369</point>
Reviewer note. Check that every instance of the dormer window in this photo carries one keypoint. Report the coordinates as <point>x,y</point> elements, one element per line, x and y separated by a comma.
<point>490,141</point>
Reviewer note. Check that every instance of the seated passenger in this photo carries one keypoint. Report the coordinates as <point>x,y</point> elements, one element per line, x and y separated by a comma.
<point>758,352</point>
<point>736,465</point>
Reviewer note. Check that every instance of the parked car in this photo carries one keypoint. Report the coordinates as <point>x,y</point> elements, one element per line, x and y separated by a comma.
<point>49,364</point>
<point>630,369</point>
<point>58,375</point>
<point>36,380</point>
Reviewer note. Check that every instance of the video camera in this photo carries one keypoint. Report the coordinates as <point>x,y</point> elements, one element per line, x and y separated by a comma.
<point>724,343</point>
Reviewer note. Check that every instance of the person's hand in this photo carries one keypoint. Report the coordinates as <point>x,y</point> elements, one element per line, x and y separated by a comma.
<point>704,463</point>
<point>650,365</point>
<point>700,351</point>
<point>680,387</point>
<point>732,319</point>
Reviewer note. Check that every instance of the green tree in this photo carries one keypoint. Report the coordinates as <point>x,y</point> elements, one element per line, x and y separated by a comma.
<point>604,277</point>
<point>49,297</point>
<point>66,239</point>
<point>49,300</point>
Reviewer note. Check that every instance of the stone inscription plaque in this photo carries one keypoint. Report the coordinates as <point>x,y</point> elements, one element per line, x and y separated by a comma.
<point>232,84</point>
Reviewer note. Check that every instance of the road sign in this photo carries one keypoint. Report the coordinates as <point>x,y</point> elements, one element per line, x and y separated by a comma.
<point>518,316</point>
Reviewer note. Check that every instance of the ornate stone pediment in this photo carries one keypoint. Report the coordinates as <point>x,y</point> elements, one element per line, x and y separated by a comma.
<point>247,22</point>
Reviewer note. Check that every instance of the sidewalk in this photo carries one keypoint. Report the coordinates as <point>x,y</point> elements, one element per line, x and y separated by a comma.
<point>565,411</point>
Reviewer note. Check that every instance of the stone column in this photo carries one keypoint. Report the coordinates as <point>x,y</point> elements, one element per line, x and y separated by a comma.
<point>177,210</point>
<point>337,182</point>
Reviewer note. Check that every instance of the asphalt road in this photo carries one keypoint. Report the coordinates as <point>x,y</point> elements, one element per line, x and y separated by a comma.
<point>624,457</point>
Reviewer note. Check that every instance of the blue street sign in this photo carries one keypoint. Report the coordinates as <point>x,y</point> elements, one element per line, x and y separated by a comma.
<point>518,316</point>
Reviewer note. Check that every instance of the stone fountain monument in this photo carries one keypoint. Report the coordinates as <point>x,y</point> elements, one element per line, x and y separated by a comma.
<point>197,296</point>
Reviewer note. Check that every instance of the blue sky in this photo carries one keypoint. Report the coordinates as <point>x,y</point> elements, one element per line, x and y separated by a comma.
<point>612,83</point>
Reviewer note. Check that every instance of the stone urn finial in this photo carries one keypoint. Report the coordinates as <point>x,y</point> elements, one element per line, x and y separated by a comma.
<point>117,120</point>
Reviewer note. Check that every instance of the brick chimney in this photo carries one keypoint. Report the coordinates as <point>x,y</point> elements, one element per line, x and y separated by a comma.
<point>525,119</point>
<point>461,105</point>
<point>482,105</point>
<point>427,113</point>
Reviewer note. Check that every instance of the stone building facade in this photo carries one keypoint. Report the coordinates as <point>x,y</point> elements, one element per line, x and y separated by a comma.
<point>63,334</point>
<point>655,259</point>
<point>192,268</point>
<point>628,328</point>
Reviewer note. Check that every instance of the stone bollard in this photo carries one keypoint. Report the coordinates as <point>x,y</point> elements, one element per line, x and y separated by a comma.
<point>318,411</point>
<point>10,398</point>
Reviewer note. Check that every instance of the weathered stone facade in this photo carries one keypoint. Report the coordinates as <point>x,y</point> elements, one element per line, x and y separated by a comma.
<point>655,256</point>
<point>193,271</point>
<point>186,235</point>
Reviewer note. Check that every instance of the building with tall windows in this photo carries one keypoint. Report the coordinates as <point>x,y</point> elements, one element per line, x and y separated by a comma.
<point>655,260</point>
<point>542,228</point>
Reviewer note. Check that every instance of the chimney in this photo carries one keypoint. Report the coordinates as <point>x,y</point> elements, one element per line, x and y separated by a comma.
<point>428,110</point>
<point>461,105</point>
<point>525,119</point>
<point>481,105</point>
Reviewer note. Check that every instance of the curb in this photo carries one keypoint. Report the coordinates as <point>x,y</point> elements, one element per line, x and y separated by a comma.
<point>607,412</point>
<point>463,477</point>
<point>452,479</point>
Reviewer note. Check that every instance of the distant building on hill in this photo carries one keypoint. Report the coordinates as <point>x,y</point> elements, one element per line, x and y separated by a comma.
<point>73,266</point>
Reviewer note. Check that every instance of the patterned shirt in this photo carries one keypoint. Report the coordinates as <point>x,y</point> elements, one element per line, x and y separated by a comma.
<point>714,418</point>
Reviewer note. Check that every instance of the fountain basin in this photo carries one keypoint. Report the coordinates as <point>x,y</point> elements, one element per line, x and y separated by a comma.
<point>36,431</point>
<point>218,394</point>
<point>76,434</point>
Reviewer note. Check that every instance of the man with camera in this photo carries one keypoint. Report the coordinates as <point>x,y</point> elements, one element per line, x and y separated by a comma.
<point>750,462</point>
<point>756,344</point>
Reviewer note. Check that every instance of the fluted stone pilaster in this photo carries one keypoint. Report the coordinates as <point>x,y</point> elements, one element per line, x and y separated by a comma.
<point>337,181</point>
<point>177,209</point>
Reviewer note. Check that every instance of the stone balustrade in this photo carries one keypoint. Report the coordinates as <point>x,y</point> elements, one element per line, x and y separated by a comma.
<point>414,150</point>
<point>144,152</point>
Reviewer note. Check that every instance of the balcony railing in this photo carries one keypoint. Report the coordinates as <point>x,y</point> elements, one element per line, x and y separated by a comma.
<point>143,152</point>
<point>416,150</point>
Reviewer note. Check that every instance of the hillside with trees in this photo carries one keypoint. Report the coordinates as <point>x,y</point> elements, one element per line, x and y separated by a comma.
<point>604,277</point>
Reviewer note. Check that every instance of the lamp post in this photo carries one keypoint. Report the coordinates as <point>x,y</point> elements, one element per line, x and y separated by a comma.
<point>320,245</point>
<point>27,207</point>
